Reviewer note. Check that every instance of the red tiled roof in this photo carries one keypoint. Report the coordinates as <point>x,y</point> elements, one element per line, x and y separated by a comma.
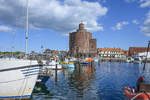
<point>111,50</point>
<point>133,50</point>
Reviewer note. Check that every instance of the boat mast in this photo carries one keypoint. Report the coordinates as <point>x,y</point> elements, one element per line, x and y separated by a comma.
<point>26,38</point>
<point>146,55</point>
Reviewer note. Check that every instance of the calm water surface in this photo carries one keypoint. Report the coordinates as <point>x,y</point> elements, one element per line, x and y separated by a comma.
<point>103,81</point>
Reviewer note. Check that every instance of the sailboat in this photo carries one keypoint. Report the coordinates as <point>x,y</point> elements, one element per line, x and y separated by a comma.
<point>18,76</point>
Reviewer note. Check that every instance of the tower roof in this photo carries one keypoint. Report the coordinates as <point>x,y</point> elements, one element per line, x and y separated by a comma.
<point>81,23</point>
<point>81,26</point>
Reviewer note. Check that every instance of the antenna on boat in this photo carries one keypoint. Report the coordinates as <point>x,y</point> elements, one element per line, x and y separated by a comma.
<point>146,56</point>
<point>26,38</point>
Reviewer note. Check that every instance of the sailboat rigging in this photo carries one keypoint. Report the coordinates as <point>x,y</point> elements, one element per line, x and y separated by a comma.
<point>27,27</point>
<point>21,74</point>
<point>146,56</point>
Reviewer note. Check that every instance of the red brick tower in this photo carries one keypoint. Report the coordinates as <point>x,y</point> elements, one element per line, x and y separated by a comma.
<point>81,42</point>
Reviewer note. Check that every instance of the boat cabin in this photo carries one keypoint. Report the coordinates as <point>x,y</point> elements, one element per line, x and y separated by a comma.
<point>144,87</point>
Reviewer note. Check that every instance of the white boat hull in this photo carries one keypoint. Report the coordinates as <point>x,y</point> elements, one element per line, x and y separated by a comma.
<point>53,67</point>
<point>137,62</point>
<point>19,81</point>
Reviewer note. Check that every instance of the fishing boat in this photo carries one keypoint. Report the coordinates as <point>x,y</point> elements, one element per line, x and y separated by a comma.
<point>67,64</point>
<point>86,61</point>
<point>70,65</point>
<point>18,76</point>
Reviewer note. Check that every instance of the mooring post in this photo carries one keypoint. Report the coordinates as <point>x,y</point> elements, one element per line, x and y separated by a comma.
<point>56,74</point>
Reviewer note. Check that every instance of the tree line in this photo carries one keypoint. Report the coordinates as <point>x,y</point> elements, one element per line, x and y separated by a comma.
<point>11,53</point>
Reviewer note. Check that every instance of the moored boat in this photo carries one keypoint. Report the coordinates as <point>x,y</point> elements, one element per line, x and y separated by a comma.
<point>143,88</point>
<point>67,64</point>
<point>70,65</point>
<point>84,63</point>
<point>137,60</point>
<point>17,78</point>
<point>53,65</point>
<point>129,59</point>
<point>128,92</point>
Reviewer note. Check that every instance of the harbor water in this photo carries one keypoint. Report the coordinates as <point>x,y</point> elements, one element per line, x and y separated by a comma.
<point>102,81</point>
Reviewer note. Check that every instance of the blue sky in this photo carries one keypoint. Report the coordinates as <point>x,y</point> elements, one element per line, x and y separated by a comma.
<point>114,23</point>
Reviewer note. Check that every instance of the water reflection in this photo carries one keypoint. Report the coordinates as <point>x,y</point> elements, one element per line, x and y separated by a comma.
<point>102,81</point>
<point>81,79</point>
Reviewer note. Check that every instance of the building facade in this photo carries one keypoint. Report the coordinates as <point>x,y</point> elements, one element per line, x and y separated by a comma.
<point>81,43</point>
<point>135,50</point>
<point>111,52</point>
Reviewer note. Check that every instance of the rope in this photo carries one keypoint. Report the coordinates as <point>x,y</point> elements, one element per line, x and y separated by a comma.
<point>140,94</point>
<point>136,96</point>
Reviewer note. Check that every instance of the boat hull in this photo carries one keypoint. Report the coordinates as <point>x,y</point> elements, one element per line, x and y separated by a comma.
<point>130,95</point>
<point>70,65</point>
<point>17,82</point>
<point>53,67</point>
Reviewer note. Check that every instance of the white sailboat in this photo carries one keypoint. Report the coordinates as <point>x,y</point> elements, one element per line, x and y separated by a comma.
<point>18,76</point>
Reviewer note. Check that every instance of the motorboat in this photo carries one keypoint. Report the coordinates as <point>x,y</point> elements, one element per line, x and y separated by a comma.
<point>67,64</point>
<point>52,65</point>
<point>129,59</point>
<point>137,60</point>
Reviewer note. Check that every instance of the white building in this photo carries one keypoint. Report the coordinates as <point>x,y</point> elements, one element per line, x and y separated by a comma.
<point>111,53</point>
<point>141,55</point>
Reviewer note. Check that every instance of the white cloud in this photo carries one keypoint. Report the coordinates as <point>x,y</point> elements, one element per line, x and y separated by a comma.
<point>146,27</point>
<point>61,16</point>
<point>102,1</point>
<point>101,28</point>
<point>130,0</point>
<point>135,21</point>
<point>145,3</point>
<point>5,28</point>
<point>120,25</point>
